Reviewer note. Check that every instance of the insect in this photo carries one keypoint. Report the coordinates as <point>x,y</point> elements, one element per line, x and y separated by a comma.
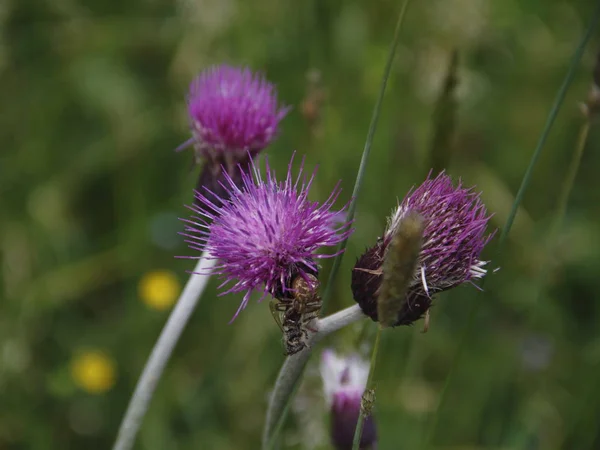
<point>367,402</point>
<point>294,314</point>
<point>294,335</point>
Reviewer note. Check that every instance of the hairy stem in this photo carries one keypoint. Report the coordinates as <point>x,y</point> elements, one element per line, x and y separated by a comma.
<point>293,366</point>
<point>140,400</point>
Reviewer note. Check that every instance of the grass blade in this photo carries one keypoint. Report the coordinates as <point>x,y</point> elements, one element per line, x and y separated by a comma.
<point>558,101</point>
<point>365,155</point>
<point>444,119</point>
<point>559,215</point>
<point>365,409</point>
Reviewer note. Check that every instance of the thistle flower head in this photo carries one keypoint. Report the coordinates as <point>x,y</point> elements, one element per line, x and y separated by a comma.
<point>454,235</point>
<point>344,382</point>
<point>453,238</point>
<point>234,115</point>
<point>267,233</point>
<point>233,112</point>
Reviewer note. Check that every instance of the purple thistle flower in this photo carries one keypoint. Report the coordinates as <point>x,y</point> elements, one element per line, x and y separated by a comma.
<point>266,234</point>
<point>233,111</point>
<point>234,115</point>
<point>344,382</point>
<point>453,238</point>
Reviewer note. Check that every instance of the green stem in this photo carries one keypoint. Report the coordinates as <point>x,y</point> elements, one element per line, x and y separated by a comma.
<point>365,156</point>
<point>569,181</point>
<point>558,101</point>
<point>292,369</point>
<point>559,215</point>
<point>362,416</point>
<point>445,120</point>
<point>271,445</point>
<point>161,353</point>
<point>561,209</point>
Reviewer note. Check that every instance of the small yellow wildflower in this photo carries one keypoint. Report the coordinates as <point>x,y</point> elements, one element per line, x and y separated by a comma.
<point>93,371</point>
<point>159,289</point>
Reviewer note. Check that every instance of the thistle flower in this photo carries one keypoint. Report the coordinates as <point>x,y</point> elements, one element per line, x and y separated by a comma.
<point>267,233</point>
<point>453,238</point>
<point>344,382</point>
<point>234,115</point>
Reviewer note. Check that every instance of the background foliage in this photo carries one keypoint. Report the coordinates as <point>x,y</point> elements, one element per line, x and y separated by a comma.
<point>93,104</point>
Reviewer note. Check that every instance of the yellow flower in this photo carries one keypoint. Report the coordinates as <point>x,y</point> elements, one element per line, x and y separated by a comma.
<point>159,289</point>
<point>93,371</point>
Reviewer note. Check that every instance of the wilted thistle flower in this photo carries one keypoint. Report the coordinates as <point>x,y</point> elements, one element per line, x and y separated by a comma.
<point>267,233</point>
<point>344,382</point>
<point>453,238</point>
<point>234,115</point>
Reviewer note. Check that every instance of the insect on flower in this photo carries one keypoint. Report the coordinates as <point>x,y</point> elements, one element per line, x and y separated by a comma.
<point>294,314</point>
<point>266,236</point>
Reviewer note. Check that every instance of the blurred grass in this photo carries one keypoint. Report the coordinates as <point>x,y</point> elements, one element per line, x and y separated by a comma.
<point>90,191</point>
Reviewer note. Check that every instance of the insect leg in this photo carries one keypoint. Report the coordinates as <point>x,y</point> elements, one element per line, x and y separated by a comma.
<point>274,306</point>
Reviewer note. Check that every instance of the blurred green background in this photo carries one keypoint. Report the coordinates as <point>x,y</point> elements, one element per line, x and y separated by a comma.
<point>93,104</point>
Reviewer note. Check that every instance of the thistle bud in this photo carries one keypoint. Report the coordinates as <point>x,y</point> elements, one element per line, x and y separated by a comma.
<point>234,115</point>
<point>344,382</point>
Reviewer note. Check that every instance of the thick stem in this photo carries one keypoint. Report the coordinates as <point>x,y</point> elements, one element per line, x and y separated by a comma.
<point>294,365</point>
<point>138,405</point>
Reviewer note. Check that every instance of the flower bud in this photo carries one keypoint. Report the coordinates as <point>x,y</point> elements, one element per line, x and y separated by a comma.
<point>233,115</point>
<point>344,382</point>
